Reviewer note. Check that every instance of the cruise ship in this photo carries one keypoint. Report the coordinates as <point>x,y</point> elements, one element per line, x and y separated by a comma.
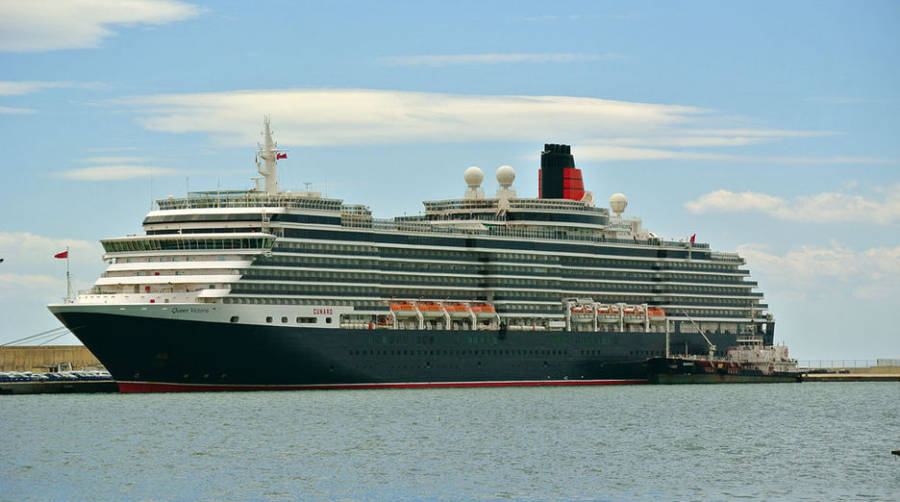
<point>270,289</point>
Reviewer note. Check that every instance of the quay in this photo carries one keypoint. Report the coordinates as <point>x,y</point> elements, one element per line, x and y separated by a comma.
<point>52,369</point>
<point>883,375</point>
<point>850,377</point>
<point>45,358</point>
<point>883,370</point>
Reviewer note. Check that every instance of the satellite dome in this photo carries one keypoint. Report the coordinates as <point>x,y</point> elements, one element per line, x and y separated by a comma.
<point>473,177</point>
<point>505,176</point>
<point>618,202</point>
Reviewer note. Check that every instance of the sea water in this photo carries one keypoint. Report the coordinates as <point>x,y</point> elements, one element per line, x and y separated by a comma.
<point>809,441</point>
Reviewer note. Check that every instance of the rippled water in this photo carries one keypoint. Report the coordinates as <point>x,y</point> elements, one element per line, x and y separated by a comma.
<point>759,442</point>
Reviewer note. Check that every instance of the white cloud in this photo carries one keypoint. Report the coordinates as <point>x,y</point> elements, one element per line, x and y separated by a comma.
<point>113,160</point>
<point>24,248</point>
<point>869,274</point>
<point>31,286</point>
<point>493,58</point>
<point>45,25</point>
<point>30,272</point>
<point>21,87</point>
<point>16,111</point>
<point>115,172</point>
<point>360,116</point>
<point>612,152</point>
<point>602,130</point>
<point>825,207</point>
<point>110,149</point>
<point>704,138</point>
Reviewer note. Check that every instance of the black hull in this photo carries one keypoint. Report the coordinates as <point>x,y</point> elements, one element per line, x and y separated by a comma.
<point>145,354</point>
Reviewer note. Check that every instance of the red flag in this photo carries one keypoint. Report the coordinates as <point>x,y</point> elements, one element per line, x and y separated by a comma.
<point>694,236</point>
<point>64,254</point>
<point>281,156</point>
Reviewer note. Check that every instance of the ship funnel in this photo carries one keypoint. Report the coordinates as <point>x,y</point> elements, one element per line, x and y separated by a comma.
<point>558,178</point>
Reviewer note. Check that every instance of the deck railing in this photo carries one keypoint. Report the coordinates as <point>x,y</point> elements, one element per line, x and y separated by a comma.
<point>390,225</point>
<point>243,198</point>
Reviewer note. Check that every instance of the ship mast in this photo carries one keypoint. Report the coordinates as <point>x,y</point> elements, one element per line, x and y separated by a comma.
<point>268,152</point>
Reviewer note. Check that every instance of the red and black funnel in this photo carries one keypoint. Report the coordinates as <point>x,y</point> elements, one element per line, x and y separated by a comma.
<point>558,178</point>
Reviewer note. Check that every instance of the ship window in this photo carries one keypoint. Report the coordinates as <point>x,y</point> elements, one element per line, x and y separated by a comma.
<point>284,319</point>
<point>234,318</point>
<point>306,320</point>
<point>327,320</point>
<point>268,318</point>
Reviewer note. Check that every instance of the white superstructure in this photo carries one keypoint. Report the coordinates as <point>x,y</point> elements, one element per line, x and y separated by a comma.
<point>526,263</point>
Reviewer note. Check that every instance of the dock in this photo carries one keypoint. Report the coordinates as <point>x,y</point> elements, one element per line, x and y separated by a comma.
<point>850,377</point>
<point>52,369</point>
<point>874,373</point>
<point>42,358</point>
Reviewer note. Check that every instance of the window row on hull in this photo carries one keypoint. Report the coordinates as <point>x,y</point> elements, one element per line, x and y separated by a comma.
<point>385,239</point>
<point>525,309</point>
<point>487,281</point>
<point>475,294</point>
<point>512,247</point>
<point>488,257</point>
<point>319,261</point>
<point>604,270</point>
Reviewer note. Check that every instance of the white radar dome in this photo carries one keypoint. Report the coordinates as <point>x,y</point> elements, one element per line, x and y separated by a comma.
<point>505,176</point>
<point>473,177</point>
<point>618,202</point>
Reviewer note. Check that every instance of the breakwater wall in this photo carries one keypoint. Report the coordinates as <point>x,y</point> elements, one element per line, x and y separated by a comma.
<point>47,358</point>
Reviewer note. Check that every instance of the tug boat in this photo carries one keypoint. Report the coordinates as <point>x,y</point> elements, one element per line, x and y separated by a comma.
<point>750,361</point>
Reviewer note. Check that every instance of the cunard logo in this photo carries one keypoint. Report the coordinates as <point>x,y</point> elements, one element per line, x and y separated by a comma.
<point>323,311</point>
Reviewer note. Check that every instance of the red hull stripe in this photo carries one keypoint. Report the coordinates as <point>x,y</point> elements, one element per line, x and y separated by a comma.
<point>178,387</point>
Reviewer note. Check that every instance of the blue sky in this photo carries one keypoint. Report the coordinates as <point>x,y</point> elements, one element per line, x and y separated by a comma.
<point>768,128</point>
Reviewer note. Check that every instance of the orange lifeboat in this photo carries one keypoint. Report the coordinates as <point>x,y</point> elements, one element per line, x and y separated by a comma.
<point>431,309</point>
<point>656,314</point>
<point>457,310</point>
<point>484,310</point>
<point>403,309</point>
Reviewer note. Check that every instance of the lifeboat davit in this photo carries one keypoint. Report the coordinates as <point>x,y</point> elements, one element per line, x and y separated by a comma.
<point>608,314</point>
<point>633,314</point>
<point>582,313</point>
